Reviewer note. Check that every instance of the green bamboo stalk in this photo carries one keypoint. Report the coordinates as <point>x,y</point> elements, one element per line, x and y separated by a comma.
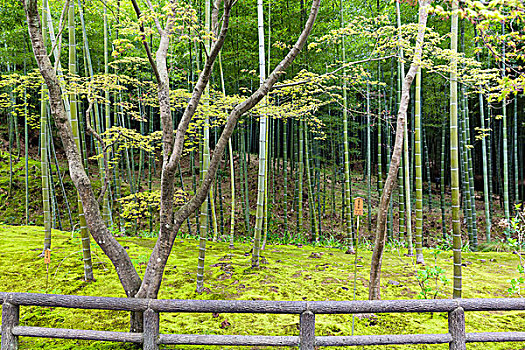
<point>267,181</point>
<point>52,151</point>
<point>506,201</point>
<point>232,189</point>
<point>204,220</point>
<point>489,153</point>
<point>295,170</point>
<point>379,135</point>
<point>204,170</point>
<point>334,170</point>
<point>300,176</point>
<point>454,156</point>
<point>486,198</point>
<point>246,192</point>
<point>86,246</point>
<point>427,168</point>
<point>261,189</point>
<point>472,203</point>
<point>497,164</point>
<point>43,145</point>
<point>184,190</point>
<point>347,193</point>
<point>203,231</point>
<point>388,117</point>
<point>515,153</point>
<point>419,172</point>
<point>407,188</point>
<point>442,180</point>
<point>401,204</point>
<point>26,151</point>
<point>321,205</point>
<point>106,208</point>
<point>57,219</point>
<point>285,185</point>
<point>262,175</point>
<point>44,161</point>
<point>232,167</point>
<point>95,112</point>
<point>213,215</point>
<point>401,173</point>
<point>194,183</point>
<point>368,158</point>
<point>311,200</point>
<point>10,131</point>
<point>464,156</point>
<point>467,160</point>
<point>268,174</point>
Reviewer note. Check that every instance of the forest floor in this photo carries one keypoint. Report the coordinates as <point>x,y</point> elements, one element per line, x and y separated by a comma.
<point>291,272</point>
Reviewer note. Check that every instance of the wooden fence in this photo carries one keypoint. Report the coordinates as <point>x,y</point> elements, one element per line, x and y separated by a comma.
<point>307,340</point>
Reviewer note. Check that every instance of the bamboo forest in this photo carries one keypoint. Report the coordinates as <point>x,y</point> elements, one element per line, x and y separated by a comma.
<point>262,174</point>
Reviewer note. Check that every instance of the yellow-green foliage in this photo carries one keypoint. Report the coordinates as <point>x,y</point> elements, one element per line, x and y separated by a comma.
<point>291,273</point>
<point>141,205</point>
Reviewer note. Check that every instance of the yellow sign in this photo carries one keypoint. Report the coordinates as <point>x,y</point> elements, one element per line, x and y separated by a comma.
<point>47,256</point>
<point>358,206</point>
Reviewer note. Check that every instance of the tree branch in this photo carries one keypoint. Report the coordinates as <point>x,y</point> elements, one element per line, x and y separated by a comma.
<point>144,42</point>
<point>348,64</point>
<point>154,270</point>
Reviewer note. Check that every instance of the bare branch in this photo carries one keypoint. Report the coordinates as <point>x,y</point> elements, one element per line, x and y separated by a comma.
<point>61,26</point>
<point>204,77</point>
<point>157,23</point>
<point>215,17</point>
<point>144,42</point>
<point>306,81</point>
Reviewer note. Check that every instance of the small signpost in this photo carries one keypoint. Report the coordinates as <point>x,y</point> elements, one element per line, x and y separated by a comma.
<point>47,256</point>
<point>47,261</point>
<point>358,211</point>
<point>358,207</point>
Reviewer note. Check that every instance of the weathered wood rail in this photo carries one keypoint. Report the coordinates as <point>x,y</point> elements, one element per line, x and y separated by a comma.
<point>307,340</point>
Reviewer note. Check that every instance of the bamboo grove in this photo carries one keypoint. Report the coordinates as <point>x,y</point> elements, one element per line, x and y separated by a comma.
<point>451,170</point>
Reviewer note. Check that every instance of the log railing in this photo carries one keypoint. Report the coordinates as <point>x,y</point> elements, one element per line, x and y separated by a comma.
<point>307,340</point>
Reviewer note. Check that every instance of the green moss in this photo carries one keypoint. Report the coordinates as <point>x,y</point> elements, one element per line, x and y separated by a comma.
<point>291,273</point>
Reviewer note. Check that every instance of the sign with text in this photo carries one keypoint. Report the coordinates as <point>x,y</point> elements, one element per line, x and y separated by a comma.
<point>358,206</point>
<point>47,256</point>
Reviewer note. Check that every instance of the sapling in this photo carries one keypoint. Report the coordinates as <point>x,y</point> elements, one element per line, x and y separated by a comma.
<point>432,279</point>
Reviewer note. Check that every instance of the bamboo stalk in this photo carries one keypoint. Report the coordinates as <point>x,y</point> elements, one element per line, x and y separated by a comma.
<point>454,156</point>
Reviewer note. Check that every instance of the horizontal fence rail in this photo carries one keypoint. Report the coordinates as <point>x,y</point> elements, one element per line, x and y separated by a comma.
<point>307,340</point>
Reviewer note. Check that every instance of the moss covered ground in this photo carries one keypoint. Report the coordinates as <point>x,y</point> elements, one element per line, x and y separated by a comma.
<point>291,273</point>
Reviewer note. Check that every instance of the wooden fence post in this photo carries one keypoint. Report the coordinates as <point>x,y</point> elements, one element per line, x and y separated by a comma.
<point>151,330</point>
<point>307,330</point>
<point>456,328</point>
<point>10,318</point>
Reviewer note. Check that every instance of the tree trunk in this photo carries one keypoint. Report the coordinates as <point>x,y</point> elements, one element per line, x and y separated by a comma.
<point>374,291</point>
<point>116,253</point>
